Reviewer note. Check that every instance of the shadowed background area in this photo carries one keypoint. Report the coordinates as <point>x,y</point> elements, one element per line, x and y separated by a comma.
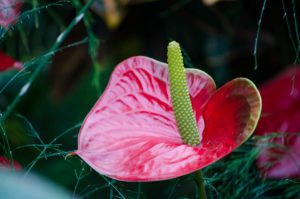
<point>218,37</point>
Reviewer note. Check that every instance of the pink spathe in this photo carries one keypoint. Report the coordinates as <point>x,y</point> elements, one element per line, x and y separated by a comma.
<point>131,133</point>
<point>6,63</point>
<point>280,155</point>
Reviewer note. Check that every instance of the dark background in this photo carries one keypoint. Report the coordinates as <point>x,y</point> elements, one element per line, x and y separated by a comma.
<point>218,39</point>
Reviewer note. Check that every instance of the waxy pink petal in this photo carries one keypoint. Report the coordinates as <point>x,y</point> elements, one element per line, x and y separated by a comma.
<point>131,133</point>
<point>6,63</point>
<point>280,155</point>
<point>9,12</point>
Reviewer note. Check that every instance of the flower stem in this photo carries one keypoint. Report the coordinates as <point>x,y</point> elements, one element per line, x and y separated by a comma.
<point>201,185</point>
<point>45,61</point>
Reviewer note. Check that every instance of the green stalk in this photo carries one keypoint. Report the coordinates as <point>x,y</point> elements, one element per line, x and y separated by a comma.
<point>201,185</point>
<point>45,61</point>
<point>182,105</point>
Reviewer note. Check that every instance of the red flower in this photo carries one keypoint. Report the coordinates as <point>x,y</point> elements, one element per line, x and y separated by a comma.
<point>280,155</point>
<point>7,62</point>
<point>6,163</point>
<point>9,11</point>
<point>131,132</point>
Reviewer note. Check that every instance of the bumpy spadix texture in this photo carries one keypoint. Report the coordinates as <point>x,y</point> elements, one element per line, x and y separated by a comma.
<point>280,155</point>
<point>6,62</point>
<point>180,98</point>
<point>131,132</point>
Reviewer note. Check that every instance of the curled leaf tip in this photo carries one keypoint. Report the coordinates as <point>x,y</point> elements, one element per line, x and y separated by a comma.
<point>70,154</point>
<point>180,98</point>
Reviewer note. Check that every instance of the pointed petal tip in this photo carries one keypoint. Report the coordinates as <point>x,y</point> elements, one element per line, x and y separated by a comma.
<point>71,154</point>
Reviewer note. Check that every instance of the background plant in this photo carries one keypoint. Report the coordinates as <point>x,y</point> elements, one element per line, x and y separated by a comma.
<point>68,52</point>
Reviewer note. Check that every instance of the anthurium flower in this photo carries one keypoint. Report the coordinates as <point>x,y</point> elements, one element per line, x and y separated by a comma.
<point>6,163</point>
<point>6,62</point>
<point>9,11</point>
<point>132,133</point>
<point>280,154</point>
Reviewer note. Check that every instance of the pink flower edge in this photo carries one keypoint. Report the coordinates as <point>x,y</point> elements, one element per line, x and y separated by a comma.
<point>7,63</point>
<point>279,156</point>
<point>6,163</point>
<point>131,134</point>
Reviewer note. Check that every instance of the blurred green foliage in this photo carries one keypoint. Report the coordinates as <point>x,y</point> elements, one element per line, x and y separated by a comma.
<point>218,39</point>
